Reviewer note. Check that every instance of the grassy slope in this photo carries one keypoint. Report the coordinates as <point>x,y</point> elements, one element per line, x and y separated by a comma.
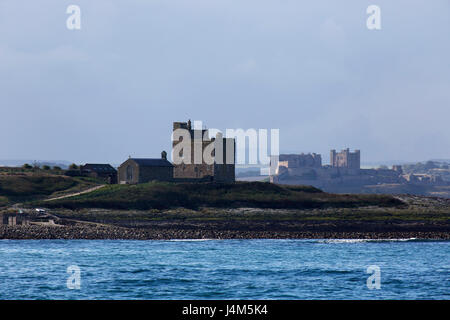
<point>14,188</point>
<point>181,215</point>
<point>158,195</point>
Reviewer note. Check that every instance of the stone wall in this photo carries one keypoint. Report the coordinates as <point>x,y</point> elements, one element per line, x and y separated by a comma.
<point>13,219</point>
<point>132,173</point>
<point>224,173</point>
<point>147,174</point>
<point>193,171</point>
<point>310,160</point>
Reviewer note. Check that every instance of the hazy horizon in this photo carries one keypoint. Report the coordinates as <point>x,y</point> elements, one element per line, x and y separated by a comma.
<point>312,70</point>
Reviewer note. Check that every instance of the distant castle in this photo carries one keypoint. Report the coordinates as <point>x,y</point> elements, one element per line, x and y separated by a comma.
<point>344,168</point>
<point>344,174</point>
<point>343,160</point>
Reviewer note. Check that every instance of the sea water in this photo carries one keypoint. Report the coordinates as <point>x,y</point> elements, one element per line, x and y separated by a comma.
<point>224,269</point>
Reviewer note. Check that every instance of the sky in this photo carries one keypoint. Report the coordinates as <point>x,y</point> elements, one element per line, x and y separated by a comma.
<point>311,69</point>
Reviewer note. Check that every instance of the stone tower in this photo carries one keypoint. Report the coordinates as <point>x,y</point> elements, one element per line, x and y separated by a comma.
<point>345,159</point>
<point>217,171</point>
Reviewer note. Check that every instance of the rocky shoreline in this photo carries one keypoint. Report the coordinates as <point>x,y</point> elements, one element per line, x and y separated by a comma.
<point>420,218</point>
<point>99,232</point>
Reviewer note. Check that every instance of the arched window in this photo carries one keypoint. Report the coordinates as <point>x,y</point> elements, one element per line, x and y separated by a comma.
<point>129,173</point>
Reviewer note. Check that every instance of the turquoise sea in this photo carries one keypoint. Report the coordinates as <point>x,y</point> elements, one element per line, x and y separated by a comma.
<point>224,269</point>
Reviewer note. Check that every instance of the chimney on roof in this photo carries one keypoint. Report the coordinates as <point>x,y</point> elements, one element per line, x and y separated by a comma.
<point>164,155</point>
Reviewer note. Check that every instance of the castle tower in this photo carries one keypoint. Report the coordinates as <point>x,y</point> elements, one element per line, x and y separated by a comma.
<point>200,141</point>
<point>333,158</point>
<point>345,159</point>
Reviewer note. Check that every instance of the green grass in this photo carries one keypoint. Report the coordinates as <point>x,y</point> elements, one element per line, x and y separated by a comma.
<point>159,195</point>
<point>208,214</point>
<point>18,186</point>
<point>15,188</point>
<point>3,201</point>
